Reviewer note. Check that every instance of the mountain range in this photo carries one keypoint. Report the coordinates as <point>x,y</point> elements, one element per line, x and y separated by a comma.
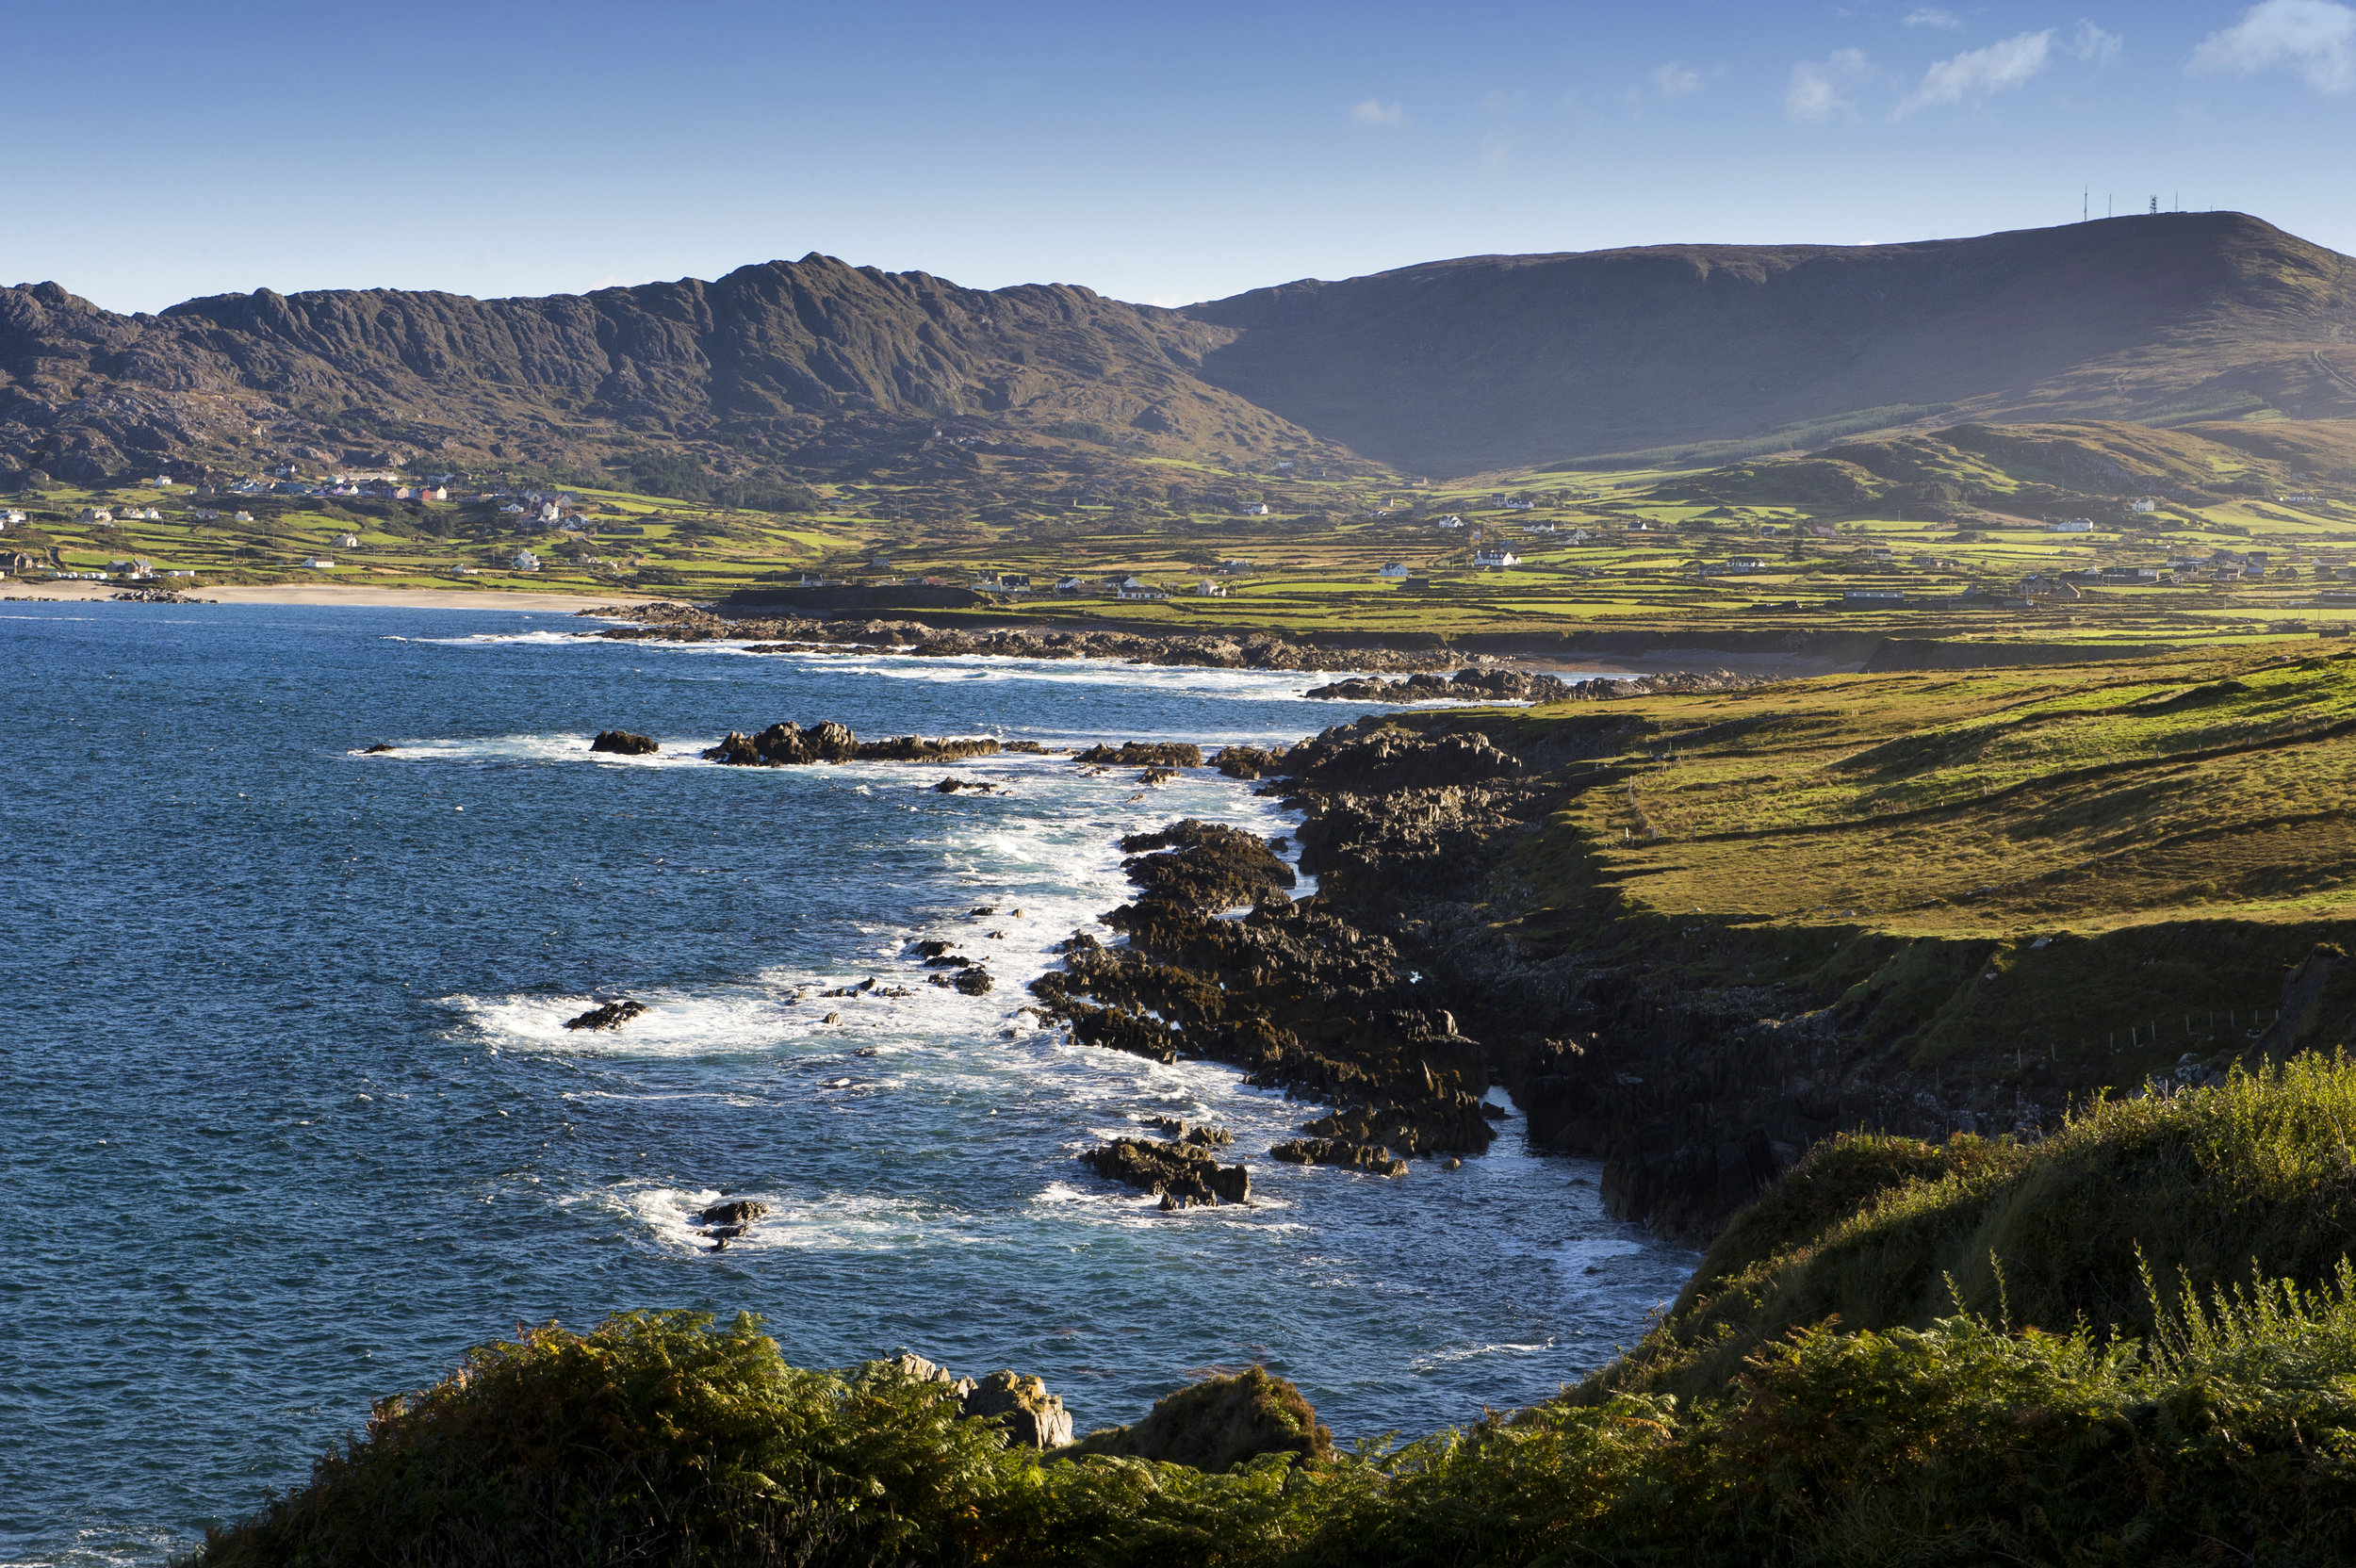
<point>815,369</point>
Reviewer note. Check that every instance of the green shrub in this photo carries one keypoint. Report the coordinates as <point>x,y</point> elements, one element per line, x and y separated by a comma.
<point>1809,1402</point>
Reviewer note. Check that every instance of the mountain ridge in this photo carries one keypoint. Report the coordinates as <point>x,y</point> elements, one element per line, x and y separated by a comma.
<point>1541,359</point>
<point>815,369</point>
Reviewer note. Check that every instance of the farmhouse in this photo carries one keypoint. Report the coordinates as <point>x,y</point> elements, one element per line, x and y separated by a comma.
<point>1497,558</point>
<point>1395,569</point>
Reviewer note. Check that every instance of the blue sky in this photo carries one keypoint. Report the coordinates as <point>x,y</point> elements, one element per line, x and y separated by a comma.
<point>156,151</point>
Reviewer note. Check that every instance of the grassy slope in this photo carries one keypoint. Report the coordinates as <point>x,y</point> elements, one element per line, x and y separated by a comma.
<point>2079,873</point>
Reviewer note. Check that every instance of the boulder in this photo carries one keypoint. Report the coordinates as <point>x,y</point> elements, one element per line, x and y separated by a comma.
<point>1031,1416</point>
<point>974,982</point>
<point>377,749</point>
<point>621,743</point>
<point>908,1365</point>
<point>1219,1423</point>
<point>611,1016</point>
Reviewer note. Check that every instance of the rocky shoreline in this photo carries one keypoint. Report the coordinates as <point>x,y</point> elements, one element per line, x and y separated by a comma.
<point>687,623</point>
<point>1406,989</point>
<point>1496,685</point>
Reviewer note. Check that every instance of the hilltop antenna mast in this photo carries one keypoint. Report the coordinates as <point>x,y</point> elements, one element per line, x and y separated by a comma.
<point>2086,195</point>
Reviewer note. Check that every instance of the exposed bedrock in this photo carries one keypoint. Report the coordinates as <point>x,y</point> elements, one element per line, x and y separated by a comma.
<point>621,743</point>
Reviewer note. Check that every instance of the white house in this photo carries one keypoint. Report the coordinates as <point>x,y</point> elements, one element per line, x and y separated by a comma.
<point>8,518</point>
<point>1448,521</point>
<point>526,561</point>
<point>321,563</point>
<point>2072,525</point>
<point>1132,588</point>
<point>243,518</point>
<point>511,510</point>
<point>1743,564</point>
<point>2143,503</point>
<point>1070,585</point>
<point>1210,590</point>
<point>95,515</point>
<point>549,511</point>
<point>1258,509</point>
<point>1498,558</point>
<point>346,541</point>
<point>1395,568</point>
<point>1234,568</point>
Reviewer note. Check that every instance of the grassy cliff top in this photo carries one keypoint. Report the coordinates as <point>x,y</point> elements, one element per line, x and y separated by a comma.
<point>2004,804</point>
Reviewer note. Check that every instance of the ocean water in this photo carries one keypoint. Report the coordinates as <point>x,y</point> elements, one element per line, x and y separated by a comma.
<point>291,1118</point>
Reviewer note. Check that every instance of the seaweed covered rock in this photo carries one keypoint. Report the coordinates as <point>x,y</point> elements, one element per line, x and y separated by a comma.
<point>1144,754</point>
<point>621,743</point>
<point>1219,1423</point>
<point>1032,1417</point>
<point>1185,1174</point>
<point>1206,866</point>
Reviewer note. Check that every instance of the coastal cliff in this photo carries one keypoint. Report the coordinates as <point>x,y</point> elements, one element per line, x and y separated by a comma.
<point>1996,919</point>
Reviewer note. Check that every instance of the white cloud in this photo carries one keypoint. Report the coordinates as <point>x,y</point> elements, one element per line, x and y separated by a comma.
<point>1495,147</point>
<point>1378,114</point>
<point>1977,73</point>
<point>1933,16</point>
<point>2090,42</point>
<point>2315,38</point>
<point>1675,79</point>
<point>1817,86</point>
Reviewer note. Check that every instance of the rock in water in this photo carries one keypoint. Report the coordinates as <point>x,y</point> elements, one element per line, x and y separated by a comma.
<point>611,1016</point>
<point>1206,866</point>
<point>1144,754</point>
<point>1371,1158</point>
<point>1219,1423</point>
<point>1200,1132</point>
<point>1185,1174</point>
<point>379,748</point>
<point>621,743</point>
<point>742,1211</point>
<point>1032,1417</point>
<point>788,745</point>
<point>1248,762</point>
<point>974,982</point>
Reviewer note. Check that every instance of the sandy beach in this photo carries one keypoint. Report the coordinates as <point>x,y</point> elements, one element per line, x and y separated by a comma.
<point>405,599</point>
